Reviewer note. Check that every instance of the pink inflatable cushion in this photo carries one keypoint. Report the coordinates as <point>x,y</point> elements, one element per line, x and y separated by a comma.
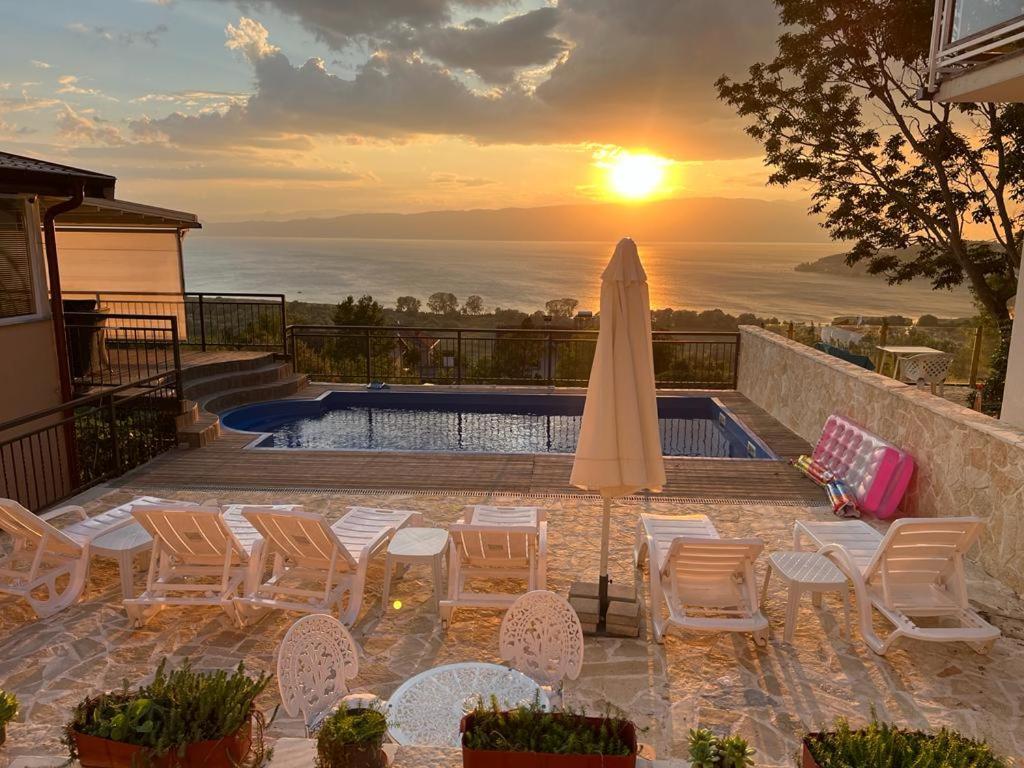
<point>876,472</point>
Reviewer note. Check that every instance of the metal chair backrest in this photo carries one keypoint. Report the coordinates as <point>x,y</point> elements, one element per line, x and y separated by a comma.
<point>541,636</point>
<point>316,660</point>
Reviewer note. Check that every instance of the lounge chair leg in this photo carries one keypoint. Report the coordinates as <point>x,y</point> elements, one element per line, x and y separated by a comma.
<point>983,648</point>
<point>761,638</point>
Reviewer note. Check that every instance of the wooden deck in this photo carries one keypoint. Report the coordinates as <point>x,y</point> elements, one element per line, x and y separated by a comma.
<point>226,464</point>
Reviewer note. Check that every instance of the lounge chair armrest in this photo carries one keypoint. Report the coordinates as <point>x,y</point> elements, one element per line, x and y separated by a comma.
<point>542,556</point>
<point>70,509</point>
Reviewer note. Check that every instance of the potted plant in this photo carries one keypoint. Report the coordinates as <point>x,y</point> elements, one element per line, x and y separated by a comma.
<point>883,745</point>
<point>709,751</point>
<point>8,710</point>
<point>352,738</point>
<point>530,737</point>
<point>182,719</point>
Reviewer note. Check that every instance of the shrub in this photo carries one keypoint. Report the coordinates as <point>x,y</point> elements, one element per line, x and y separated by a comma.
<point>347,729</point>
<point>8,707</point>
<point>177,709</point>
<point>529,728</point>
<point>709,751</point>
<point>883,745</point>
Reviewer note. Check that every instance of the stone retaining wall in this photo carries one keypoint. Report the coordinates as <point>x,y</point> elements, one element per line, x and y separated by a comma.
<point>967,463</point>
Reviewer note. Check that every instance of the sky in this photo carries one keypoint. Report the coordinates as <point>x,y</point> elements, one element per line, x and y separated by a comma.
<point>275,108</point>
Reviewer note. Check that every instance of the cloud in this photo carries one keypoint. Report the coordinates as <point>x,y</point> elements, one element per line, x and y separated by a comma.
<point>39,64</point>
<point>69,85</point>
<point>496,51</point>
<point>251,38</point>
<point>77,128</point>
<point>26,103</point>
<point>455,180</point>
<point>125,37</point>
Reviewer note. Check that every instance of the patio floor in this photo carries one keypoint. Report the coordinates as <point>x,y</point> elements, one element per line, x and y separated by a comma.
<point>772,696</point>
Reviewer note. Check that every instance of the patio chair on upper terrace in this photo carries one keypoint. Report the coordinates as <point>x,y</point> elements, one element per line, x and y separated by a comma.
<point>705,582</point>
<point>495,544</point>
<point>928,369</point>
<point>316,567</point>
<point>915,570</point>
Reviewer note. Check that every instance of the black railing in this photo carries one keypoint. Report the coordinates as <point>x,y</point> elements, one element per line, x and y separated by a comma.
<point>400,355</point>
<point>205,320</point>
<point>108,349</point>
<point>51,455</point>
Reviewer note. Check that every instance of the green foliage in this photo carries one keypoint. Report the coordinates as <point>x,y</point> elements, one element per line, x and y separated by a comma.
<point>408,305</point>
<point>442,303</point>
<point>883,745</point>
<point>348,730</point>
<point>708,751</point>
<point>365,311</point>
<point>563,308</point>
<point>473,305</point>
<point>178,708</point>
<point>8,707</point>
<point>529,728</point>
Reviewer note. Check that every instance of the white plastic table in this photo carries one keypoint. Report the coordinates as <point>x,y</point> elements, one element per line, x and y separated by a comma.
<point>415,545</point>
<point>806,572</point>
<point>898,353</point>
<point>427,709</point>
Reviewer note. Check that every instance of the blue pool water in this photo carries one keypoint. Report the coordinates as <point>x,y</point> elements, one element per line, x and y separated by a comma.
<point>478,423</point>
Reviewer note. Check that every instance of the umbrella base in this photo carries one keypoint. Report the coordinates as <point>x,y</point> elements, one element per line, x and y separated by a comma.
<point>617,616</point>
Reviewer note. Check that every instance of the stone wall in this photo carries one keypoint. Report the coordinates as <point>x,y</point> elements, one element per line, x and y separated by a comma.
<point>967,463</point>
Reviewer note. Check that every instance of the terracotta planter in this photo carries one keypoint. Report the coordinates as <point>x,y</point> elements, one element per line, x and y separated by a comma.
<point>3,734</point>
<point>807,759</point>
<point>478,758</point>
<point>94,752</point>
<point>361,756</point>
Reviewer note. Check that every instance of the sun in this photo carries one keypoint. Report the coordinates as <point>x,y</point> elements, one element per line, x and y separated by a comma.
<point>636,176</point>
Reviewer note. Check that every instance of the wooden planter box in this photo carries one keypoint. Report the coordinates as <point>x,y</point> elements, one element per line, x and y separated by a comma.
<point>478,758</point>
<point>229,752</point>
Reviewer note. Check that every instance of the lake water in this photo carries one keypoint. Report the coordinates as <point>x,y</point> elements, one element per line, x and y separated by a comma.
<point>734,277</point>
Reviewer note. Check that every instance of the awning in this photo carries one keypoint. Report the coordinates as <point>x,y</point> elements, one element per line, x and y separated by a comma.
<point>104,213</point>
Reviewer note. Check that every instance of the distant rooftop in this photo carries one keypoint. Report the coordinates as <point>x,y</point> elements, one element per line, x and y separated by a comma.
<point>28,174</point>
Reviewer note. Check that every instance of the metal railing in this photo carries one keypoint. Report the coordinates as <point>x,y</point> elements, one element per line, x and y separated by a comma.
<point>966,32</point>
<point>110,350</point>
<point>51,455</point>
<point>205,320</point>
<point>520,356</point>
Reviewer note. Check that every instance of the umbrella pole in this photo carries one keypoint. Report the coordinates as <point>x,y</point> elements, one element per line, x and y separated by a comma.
<point>602,586</point>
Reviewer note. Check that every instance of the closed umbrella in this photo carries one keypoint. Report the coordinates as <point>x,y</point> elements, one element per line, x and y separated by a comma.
<point>619,449</point>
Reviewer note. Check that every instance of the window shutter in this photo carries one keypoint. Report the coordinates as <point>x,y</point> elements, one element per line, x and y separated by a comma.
<point>16,294</point>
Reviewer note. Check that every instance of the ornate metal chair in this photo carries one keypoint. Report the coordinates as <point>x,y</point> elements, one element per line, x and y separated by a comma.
<point>317,659</point>
<point>541,637</point>
<point>931,369</point>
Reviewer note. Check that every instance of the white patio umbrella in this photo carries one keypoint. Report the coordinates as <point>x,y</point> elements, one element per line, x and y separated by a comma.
<point>619,449</point>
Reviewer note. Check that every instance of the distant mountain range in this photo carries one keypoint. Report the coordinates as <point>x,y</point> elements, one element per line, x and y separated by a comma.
<point>698,219</point>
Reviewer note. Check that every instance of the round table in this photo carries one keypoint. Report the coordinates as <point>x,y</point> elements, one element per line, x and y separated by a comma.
<point>415,545</point>
<point>427,709</point>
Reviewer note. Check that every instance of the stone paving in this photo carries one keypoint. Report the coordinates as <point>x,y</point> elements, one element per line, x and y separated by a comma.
<point>721,681</point>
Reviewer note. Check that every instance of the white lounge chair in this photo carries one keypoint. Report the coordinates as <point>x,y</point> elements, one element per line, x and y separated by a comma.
<point>541,636</point>
<point>915,570</point>
<point>199,557</point>
<point>55,560</point>
<point>495,543</point>
<point>706,582</point>
<point>316,567</point>
<point>316,660</point>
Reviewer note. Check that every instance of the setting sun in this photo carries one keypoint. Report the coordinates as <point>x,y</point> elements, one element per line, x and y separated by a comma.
<point>634,176</point>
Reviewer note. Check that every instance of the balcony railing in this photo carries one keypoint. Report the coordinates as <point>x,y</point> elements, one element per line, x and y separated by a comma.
<point>51,455</point>
<point>521,356</point>
<point>205,320</point>
<point>966,32</point>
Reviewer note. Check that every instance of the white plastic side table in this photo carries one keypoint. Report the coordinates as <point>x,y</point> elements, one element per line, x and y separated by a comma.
<point>806,572</point>
<point>415,545</point>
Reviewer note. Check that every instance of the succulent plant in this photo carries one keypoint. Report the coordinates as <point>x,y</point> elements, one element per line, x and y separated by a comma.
<point>735,752</point>
<point>8,707</point>
<point>703,748</point>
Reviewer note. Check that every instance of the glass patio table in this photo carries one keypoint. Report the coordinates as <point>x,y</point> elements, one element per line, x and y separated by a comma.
<point>426,709</point>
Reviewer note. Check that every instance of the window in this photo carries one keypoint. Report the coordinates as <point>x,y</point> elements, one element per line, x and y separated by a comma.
<point>17,292</point>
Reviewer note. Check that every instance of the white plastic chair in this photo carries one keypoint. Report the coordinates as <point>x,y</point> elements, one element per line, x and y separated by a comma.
<point>916,569</point>
<point>316,567</point>
<point>316,660</point>
<point>197,560</point>
<point>541,636</point>
<point>706,583</point>
<point>500,543</point>
<point>929,368</point>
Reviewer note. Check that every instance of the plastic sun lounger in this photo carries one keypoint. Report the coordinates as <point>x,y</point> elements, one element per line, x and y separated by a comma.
<point>914,570</point>
<point>707,583</point>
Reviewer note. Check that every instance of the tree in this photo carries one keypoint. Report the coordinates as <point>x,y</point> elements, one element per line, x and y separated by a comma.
<point>441,303</point>
<point>473,305</point>
<point>365,311</point>
<point>409,305</point>
<point>561,307</point>
<point>837,108</point>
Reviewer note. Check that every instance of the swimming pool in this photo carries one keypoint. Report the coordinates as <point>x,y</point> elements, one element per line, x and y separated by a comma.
<point>478,423</point>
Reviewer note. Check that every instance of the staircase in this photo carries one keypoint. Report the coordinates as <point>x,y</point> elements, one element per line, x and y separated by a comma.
<point>210,388</point>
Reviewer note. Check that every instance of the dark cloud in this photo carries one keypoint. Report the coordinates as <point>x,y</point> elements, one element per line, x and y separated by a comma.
<point>496,51</point>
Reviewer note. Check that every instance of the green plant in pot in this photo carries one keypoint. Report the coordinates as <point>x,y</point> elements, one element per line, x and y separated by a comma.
<point>709,751</point>
<point>8,711</point>
<point>182,718</point>
<point>883,745</point>
<point>352,738</point>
